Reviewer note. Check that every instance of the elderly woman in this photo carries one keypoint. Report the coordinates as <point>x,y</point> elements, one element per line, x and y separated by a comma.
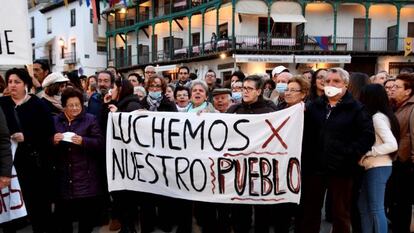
<point>182,98</point>
<point>199,96</point>
<point>156,101</point>
<point>31,125</point>
<point>78,141</point>
<point>402,186</point>
<point>140,92</point>
<point>53,85</point>
<point>296,91</point>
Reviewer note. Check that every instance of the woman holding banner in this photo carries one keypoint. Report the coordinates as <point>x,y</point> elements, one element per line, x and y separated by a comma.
<point>199,98</point>
<point>122,99</point>
<point>30,125</point>
<point>156,101</point>
<point>77,141</point>
<point>252,103</point>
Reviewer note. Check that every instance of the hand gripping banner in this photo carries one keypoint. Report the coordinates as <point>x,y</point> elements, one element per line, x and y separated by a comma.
<point>212,157</point>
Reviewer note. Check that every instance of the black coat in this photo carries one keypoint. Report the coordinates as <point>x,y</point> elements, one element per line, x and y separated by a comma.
<point>165,106</point>
<point>5,151</point>
<point>333,145</point>
<point>260,106</point>
<point>36,123</point>
<point>128,104</point>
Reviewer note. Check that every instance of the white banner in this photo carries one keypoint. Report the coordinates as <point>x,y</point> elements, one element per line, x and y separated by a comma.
<point>15,48</point>
<point>11,198</point>
<point>212,157</point>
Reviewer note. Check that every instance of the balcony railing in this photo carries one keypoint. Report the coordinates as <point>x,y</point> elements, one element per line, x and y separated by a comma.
<point>275,44</point>
<point>70,58</point>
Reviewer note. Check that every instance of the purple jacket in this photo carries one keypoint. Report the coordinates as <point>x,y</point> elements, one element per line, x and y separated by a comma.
<point>78,172</point>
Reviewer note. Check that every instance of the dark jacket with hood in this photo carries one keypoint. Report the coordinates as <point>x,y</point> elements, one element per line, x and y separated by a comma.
<point>335,138</point>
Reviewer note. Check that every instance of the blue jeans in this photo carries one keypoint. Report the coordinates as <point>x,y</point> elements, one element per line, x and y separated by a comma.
<point>371,200</point>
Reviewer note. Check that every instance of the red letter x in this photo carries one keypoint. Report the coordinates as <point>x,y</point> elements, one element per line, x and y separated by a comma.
<point>276,133</point>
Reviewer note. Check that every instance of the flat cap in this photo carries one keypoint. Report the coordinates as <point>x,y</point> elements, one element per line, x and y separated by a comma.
<point>219,91</point>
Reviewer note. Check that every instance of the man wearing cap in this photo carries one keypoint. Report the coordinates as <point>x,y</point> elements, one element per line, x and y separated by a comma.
<point>221,99</point>
<point>281,76</point>
<point>53,86</point>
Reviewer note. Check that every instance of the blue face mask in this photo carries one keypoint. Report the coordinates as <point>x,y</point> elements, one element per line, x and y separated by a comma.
<point>236,95</point>
<point>281,87</point>
<point>155,94</point>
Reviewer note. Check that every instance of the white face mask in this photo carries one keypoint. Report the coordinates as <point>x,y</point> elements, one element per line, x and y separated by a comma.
<point>331,91</point>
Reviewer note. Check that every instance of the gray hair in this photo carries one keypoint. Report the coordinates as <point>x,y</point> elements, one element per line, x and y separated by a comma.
<point>149,68</point>
<point>341,72</point>
<point>199,82</point>
<point>140,89</point>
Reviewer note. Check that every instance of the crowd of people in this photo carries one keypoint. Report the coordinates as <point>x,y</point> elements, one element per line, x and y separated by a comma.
<point>357,153</point>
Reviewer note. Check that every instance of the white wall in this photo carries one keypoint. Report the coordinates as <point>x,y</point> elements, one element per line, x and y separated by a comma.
<point>319,18</point>
<point>407,15</point>
<point>383,61</point>
<point>40,31</point>
<point>82,33</point>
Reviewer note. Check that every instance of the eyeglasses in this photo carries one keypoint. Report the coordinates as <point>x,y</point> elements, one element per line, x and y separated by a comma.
<point>292,90</point>
<point>150,72</point>
<point>248,89</point>
<point>155,86</point>
<point>74,106</point>
<point>181,95</point>
<point>397,87</point>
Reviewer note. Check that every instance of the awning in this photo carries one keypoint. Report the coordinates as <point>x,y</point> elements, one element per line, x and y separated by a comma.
<point>323,59</point>
<point>242,58</point>
<point>45,42</point>
<point>252,7</point>
<point>287,12</point>
<point>165,68</point>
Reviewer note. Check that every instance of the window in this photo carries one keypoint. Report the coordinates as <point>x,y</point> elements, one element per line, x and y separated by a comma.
<point>223,31</point>
<point>33,51</point>
<point>99,20</point>
<point>101,44</point>
<point>195,38</point>
<point>73,17</point>
<point>263,26</point>
<point>32,30</point>
<point>49,25</point>
<point>410,29</point>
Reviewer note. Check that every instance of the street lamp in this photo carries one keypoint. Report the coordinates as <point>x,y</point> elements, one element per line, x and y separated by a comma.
<point>61,43</point>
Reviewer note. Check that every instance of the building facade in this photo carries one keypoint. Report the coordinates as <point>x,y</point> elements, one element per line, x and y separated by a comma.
<point>67,38</point>
<point>257,35</point>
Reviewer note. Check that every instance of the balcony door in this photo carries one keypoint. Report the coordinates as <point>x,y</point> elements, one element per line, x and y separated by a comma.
<point>391,39</point>
<point>410,29</point>
<point>358,41</point>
